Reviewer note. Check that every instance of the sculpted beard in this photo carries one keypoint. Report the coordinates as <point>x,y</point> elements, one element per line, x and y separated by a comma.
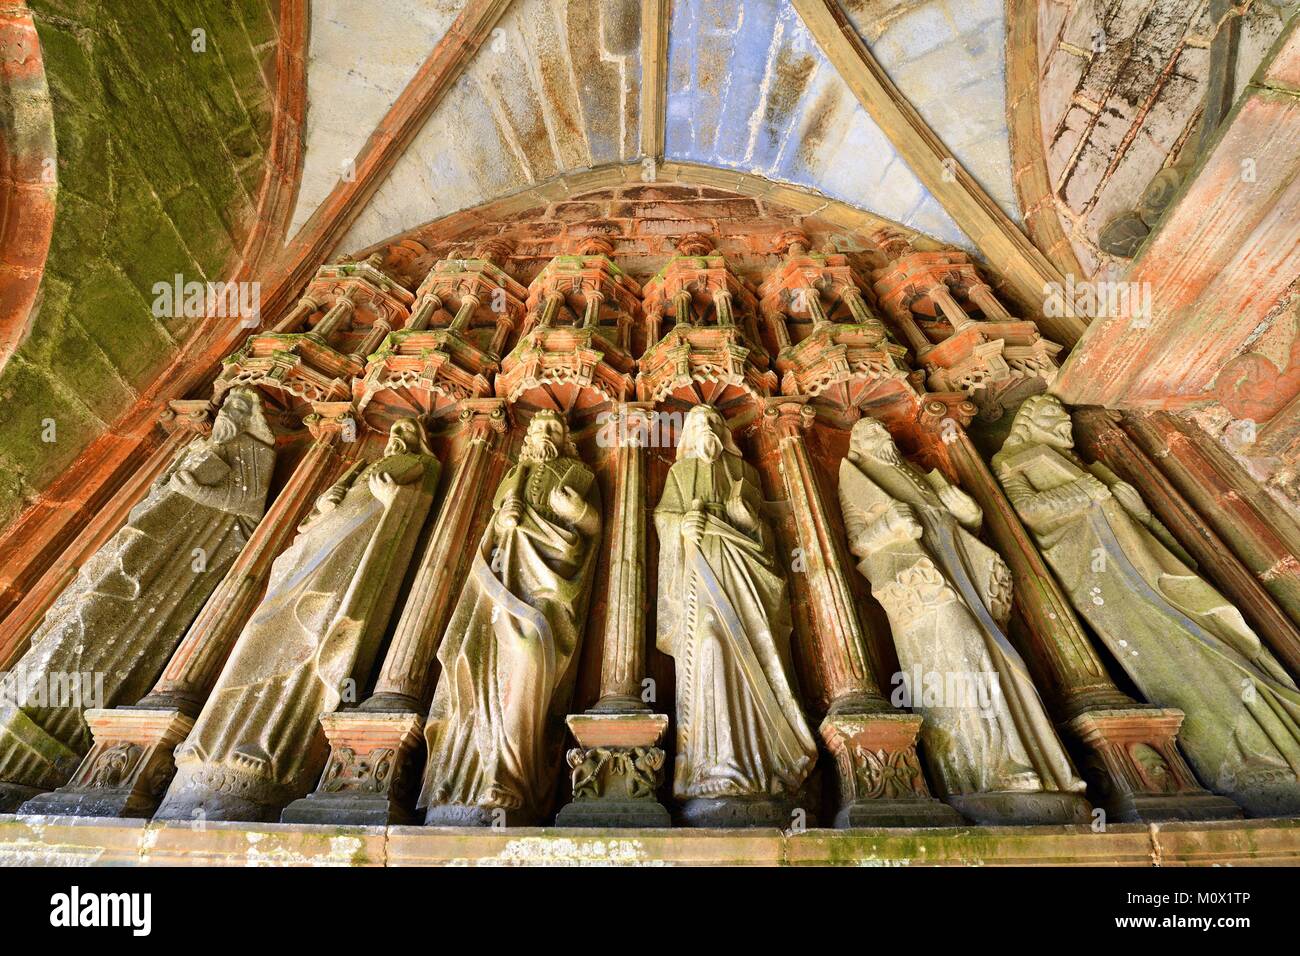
<point>224,429</point>
<point>539,448</point>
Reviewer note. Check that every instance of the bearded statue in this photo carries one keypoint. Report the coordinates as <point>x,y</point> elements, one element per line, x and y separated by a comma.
<point>1182,643</point>
<point>744,749</point>
<point>257,745</point>
<point>990,746</point>
<point>508,658</point>
<point>106,639</point>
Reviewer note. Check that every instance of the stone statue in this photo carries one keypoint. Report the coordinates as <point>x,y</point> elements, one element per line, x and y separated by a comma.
<point>257,744</point>
<point>508,658</point>
<point>990,746</point>
<point>1180,641</point>
<point>744,749</point>
<point>108,636</point>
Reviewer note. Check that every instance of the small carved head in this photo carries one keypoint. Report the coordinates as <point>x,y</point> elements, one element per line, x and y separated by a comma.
<point>547,438</point>
<point>240,412</point>
<point>407,436</point>
<point>1043,420</point>
<point>871,440</point>
<point>705,435</point>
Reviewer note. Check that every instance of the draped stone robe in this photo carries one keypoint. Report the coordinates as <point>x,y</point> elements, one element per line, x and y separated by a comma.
<point>120,620</point>
<point>723,614</point>
<point>948,597</point>
<point>1179,640</point>
<point>496,726</point>
<point>257,744</point>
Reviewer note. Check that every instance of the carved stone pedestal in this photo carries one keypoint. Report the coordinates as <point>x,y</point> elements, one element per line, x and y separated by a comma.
<point>368,779</point>
<point>881,784</point>
<point>1136,769</point>
<point>617,768</point>
<point>127,769</point>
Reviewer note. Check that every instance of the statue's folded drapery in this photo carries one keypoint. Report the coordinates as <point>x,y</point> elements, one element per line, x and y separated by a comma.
<point>257,744</point>
<point>106,639</point>
<point>508,655</point>
<point>724,616</point>
<point>948,597</point>
<point>1179,640</point>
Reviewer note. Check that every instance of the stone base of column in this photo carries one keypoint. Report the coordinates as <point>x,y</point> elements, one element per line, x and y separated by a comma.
<point>368,777</point>
<point>127,769</point>
<point>881,784</point>
<point>1018,808</point>
<point>617,768</point>
<point>1135,766</point>
<point>14,795</point>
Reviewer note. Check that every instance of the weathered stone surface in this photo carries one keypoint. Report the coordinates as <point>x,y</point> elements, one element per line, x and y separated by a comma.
<point>509,652</point>
<point>257,744</point>
<point>107,637</point>
<point>1130,580</point>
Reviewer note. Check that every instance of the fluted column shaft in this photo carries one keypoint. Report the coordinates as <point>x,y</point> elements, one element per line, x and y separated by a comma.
<point>622,664</point>
<point>840,642</point>
<point>402,683</point>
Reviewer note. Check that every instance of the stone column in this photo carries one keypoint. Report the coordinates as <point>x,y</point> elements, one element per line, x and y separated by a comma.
<point>294,320</point>
<point>469,304</point>
<point>949,307</point>
<point>184,420</point>
<point>988,303</point>
<point>1131,757</point>
<point>591,312</point>
<point>378,332</point>
<point>424,311</point>
<point>130,762</point>
<point>1103,440</point>
<point>334,319</point>
<point>874,745</point>
<point>502,334</point>
<point>1265,539</point>
<point>618,764</point>
<point>368,777</point>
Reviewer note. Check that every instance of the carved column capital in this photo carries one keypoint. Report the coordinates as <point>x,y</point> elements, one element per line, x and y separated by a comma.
<point>486,418</point>
<point>188,416</point>
<point>330,421</point>
<point>788,416</point>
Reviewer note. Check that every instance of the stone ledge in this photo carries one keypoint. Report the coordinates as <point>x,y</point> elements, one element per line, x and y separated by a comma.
<point>39,841</point>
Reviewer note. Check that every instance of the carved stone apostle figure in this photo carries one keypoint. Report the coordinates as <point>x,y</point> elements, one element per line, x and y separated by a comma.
<point>508,657</point>
<point>257,744</point>
<point>744,749</point>
<point>990,746</point>
<point>108,636</point>
<point>1183,644</point>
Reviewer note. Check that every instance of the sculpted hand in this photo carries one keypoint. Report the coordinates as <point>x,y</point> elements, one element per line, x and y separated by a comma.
<point>184,480</point>
<point>693,526</point>
<point>512,509</point>
<point>957,501</point>
<point>566,502</point>
<point>741,515</point>
<point>1094,487</point>
<point>900,519</point>
<point>383,486</point>
<point>1129,498</point>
